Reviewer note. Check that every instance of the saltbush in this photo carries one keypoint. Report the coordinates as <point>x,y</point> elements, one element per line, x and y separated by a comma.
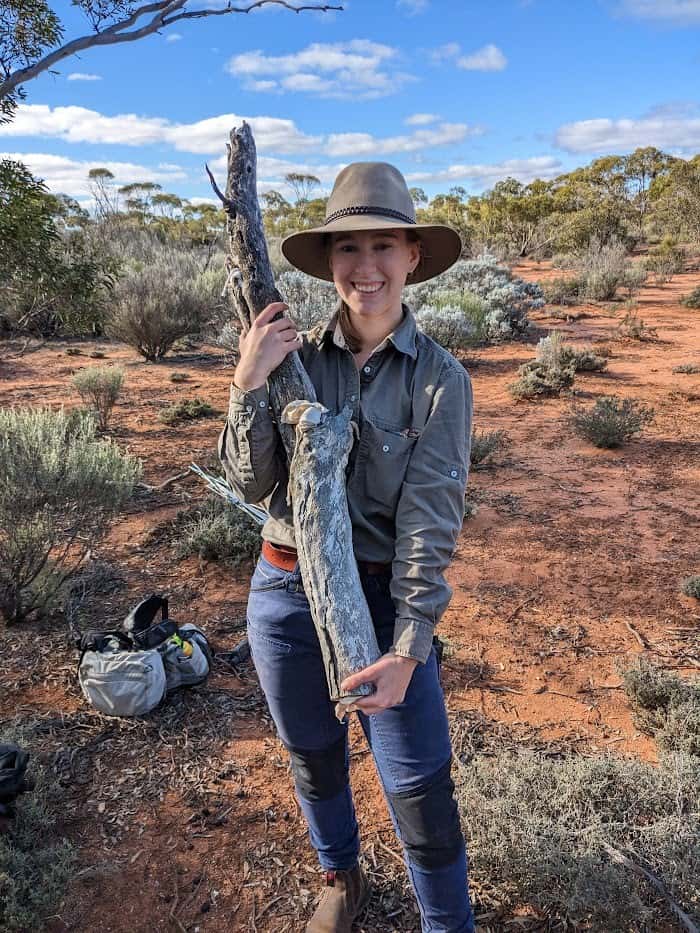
<point>538,830</point>
<point>665,706</point>
<point>687,369</point>
<point>99,387</point>
<point>485,444</point>
<point>456,321</point>
<point>692,299</point>
<point>36,865</point>
<point>555,353</point>
<point>60,488</point>
<point>634,276</point>
<point>508,299</point>
<point>310,300</point>
<point>186,410</point>
<point>561,291</point>
<point>691,587</point>
<point>611,421</point>
<point>536,379</point>
<point>219,531</point>
<point>633,327</point>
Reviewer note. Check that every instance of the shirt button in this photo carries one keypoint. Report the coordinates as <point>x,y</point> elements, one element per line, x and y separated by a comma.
<point>453,473</point>
<point>386,448</point>
<point>249,408</point>
<point>263,404</point>
<point>367,369</point>
<point>352,398</point>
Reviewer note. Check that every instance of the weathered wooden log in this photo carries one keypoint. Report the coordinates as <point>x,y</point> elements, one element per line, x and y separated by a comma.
<point>316,441</point>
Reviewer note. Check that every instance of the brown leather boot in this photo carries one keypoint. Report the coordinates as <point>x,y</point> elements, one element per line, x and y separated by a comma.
<point>344,895</point>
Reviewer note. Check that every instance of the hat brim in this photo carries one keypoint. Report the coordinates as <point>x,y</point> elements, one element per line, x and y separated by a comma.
<point>441,245</point>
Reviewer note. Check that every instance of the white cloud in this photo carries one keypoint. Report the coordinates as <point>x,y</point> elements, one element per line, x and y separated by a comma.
<point>421,119</point>
<point>82,76</point>
<point>524,170</point>
<point>362,144</point>
<point>173,37</point>
<point>80,125</point>
<point>359,69</point>
<point>446,52</point>
<point>672,11</point>
<point>412,7</point>
<point>488,58</point>
<point>69,176</point>
<point>606,135</point>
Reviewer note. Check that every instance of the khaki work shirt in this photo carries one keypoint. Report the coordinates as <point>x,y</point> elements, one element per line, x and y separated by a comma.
<point>407,472</point>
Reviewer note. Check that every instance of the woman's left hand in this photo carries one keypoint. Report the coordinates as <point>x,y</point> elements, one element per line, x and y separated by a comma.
<point>391,675</point>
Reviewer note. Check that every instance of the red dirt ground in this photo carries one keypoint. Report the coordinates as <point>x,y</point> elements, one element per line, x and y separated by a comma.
<point>571,565</point>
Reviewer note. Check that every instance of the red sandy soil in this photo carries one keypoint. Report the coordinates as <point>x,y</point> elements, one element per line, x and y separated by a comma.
<point>570,568</point>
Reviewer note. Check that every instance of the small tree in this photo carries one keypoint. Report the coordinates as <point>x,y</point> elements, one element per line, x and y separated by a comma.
<point>99,387</point>
<point>60,488</point>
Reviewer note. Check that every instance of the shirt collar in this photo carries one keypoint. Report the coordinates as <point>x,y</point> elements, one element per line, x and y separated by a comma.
<point>403,337</point>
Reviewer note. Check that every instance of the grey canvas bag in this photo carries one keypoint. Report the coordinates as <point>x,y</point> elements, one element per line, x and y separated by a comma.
<point>183,669</point>
<point>119,681</point>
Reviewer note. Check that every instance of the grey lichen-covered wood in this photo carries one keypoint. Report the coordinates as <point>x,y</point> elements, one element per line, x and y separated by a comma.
<point>316,441</point>
<point>324,541</point>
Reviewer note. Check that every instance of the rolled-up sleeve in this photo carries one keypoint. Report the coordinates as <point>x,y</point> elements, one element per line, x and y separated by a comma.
<point>429,515</point>
<point>248,445</point>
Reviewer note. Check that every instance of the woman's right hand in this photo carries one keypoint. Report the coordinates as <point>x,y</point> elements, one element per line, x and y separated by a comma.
<point>264,347</point>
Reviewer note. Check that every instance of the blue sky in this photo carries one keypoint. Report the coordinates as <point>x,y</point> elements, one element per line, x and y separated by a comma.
<point>453,92</point>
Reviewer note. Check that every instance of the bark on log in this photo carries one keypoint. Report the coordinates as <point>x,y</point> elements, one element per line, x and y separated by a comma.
<point>316,441</point>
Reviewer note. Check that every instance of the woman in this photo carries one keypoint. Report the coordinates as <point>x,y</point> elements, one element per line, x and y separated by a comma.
<point>406,480</point>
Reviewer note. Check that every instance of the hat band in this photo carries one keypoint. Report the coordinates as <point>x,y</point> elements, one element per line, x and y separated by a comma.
<point>362,209</point>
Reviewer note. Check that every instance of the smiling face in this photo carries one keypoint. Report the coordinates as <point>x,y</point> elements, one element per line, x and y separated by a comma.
<point>369,271</point>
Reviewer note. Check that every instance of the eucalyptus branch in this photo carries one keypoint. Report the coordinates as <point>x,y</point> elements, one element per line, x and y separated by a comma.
<point>166,12</point>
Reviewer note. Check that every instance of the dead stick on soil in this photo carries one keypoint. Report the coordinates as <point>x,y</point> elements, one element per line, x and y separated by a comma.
<point>165,483</point>
<point>391,852</point>
<point>618,856</point>
<point>640,638</point>
<point>521,606</point>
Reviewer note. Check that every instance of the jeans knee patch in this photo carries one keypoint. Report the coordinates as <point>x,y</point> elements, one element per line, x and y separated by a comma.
<point>429,821</point>
<point>319,774</point>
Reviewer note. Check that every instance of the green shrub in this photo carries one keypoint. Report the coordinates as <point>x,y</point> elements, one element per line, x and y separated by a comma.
<point>692,300</point>
<point>218,531</point>
<point>456,320</point>
<point>35,865</point>
<point>485,445</point>
<point>634,327</point>
<point>665,260</point>
<point>471,509</point>
<point>554,353</point>
<point>691,586</point>
<point>665,706</point>
<point>634,276</point>
<point>179,377</point>
<point>610,422</point>
<point>99,387</point>
<point>562,291</point>
<point>547,374</point>
<point>688,369</point>
<point>602,267</point>
<point>60,488</point>
<point>537,831</point>
<point>156,305</point>
<point>187,410</point>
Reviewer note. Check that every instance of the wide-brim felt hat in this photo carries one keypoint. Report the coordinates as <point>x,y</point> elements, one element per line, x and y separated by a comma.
<point>372,196</point>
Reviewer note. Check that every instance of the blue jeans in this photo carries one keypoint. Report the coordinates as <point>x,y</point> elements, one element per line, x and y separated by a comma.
<point>410,744</point>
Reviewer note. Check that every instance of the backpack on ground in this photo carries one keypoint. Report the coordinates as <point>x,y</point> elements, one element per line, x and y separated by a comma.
<point>128,672</point>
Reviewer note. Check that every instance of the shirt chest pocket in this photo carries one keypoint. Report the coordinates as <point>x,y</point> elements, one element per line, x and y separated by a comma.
<point>382,458</point>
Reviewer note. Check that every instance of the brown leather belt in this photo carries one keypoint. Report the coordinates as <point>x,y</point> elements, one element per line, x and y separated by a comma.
<point>286,559</point>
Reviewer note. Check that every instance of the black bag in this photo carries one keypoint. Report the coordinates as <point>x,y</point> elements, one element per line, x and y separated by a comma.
<point>13,778</point>
<point>139,624</point>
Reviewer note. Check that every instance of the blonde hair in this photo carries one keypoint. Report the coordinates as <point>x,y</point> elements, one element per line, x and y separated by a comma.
<point>351,336</point>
